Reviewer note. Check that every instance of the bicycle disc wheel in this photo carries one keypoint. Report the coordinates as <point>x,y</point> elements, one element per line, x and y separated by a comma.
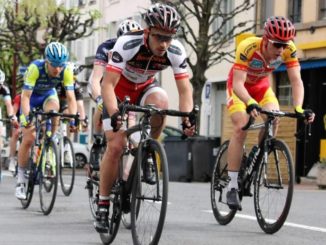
<point>149,198</point>
<point>273,188</point>
<point>67,167</point>
<point>49,176</point>
<point>114,217</point>
<point>220,179</point>
<point>30,184</point>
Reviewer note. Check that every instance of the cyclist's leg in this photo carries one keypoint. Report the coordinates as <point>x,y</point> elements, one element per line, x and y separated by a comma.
<point>109,172</point>
<point>51,102</point>
<point>13,149</point>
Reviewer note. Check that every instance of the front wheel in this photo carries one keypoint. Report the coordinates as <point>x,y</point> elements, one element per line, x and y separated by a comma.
<point>67,167</point>
<point>219,182</point>
<point>48,176</point>
<point>274,188</point>
<point>149,194</point>
<point>30,183</point>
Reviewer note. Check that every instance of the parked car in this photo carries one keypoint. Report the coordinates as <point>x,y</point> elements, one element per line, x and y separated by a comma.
<point>82,152</point>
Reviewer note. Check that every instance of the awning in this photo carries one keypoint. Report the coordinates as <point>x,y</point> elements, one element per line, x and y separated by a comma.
<point>307,64</point>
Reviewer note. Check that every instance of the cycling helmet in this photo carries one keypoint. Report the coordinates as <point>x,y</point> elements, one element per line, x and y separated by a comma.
<point>279,29</point>
<point>2,77</point>
<point>127,26</point>
<point>56,53</point>
<point>163,17</point>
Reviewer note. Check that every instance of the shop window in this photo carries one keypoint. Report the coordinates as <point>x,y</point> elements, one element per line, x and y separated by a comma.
<point>294,10</point>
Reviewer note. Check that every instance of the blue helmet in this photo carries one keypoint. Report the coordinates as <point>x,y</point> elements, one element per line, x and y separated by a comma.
<point>56,53</point>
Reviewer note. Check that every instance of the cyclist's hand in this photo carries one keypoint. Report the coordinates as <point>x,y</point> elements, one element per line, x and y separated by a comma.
<point>72,126</point>
<point>253,108</point>
<point>84,124</point>
<point>308,114</point>
<point>116,121</point>
<point>188,127</point>
<point>14,121</point>
<point>99,103</point>
<point>24,121</point>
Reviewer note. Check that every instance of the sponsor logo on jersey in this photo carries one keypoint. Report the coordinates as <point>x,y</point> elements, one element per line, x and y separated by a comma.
<point>294,54</point>
<point>116,57</point>
<point>183,65</point>
<point>132,44</point>
<point>174,50</point>
<point>275,63</point>
<point>249,48</point>
<point>256,64</point>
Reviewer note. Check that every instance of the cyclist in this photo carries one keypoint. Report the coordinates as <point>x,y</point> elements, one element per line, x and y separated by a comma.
<point>131,72</point>
<point>248,87</point>
<point>40,80</point>
<point>5,93</point>
<point>94,86</point>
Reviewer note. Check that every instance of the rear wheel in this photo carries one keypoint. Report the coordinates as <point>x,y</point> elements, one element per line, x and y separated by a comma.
<point>48,176</point>
<point>220,179</point>
<point>149,195</point>
<point>274,188</point>
<point>67,167</point>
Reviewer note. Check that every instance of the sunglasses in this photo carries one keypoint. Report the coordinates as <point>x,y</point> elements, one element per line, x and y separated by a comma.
<point>162,38</point>
<point>278,44</point>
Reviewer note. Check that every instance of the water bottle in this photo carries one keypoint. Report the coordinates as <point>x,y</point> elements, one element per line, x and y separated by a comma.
<point>48,127</point>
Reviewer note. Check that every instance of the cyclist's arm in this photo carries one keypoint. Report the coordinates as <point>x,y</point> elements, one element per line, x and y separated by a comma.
<point>110,80</point>
<point>25,100</point>
<point>94,86</point>
<point>185,94</point>
<point>239,79</point>
<point>9,107</point>
<point>81,109</point>
<point>72,104</point>
<point>297,85</point>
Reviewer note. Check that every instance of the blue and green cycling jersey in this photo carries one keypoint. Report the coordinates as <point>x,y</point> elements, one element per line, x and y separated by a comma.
<point>37,78</point>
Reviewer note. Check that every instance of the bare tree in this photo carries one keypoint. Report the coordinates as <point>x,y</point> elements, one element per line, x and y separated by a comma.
<point>20,32</point>
<point>216,28</point>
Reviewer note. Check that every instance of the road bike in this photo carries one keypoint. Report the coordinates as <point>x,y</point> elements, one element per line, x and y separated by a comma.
<point>268,167</point>
<point>145,191</point>
<point>2,151</point>
<point>43,164</point>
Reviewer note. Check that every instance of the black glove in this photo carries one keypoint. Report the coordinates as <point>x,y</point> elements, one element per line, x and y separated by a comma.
<point>114,121</point>
<point>253,106</point>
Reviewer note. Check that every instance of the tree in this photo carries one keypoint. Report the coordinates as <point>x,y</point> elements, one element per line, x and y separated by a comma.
<point>215,30</point>
<point>26,32</point>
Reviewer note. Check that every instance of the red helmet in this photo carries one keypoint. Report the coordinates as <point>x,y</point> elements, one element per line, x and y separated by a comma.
<point>279,29</point>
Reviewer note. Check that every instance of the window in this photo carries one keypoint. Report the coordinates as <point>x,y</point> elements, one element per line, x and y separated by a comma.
<point>225,8</point>
<point>92,2</point>
<point>284,90</point>
<point>81,2</point>
<point>322,9</point>
<point>294,10</point>
<point>267,10</point>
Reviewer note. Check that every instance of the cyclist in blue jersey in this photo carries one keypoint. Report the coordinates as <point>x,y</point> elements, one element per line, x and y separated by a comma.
<point>40,80</point>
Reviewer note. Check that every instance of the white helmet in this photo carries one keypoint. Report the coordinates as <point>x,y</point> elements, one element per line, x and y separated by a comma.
<point>2,77</point>
<point>127,26</point>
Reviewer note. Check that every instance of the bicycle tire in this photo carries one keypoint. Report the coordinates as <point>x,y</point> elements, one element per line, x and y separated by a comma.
<point>92,186</point>
<point>146,196</point>
<point>67,169</point>
<point>114,216</point>
<point>30,184</point>
<point>276,176</point>
<point>222,213</point>
<point>49,164</point>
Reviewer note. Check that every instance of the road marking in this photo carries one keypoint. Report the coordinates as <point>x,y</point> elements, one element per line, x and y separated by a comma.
<point>306,227</point>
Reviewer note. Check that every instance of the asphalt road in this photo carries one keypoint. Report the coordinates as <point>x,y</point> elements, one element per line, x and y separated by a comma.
<point>189,219</point>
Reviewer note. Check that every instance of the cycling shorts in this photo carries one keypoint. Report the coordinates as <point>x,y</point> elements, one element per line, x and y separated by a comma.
<point>39,100</point>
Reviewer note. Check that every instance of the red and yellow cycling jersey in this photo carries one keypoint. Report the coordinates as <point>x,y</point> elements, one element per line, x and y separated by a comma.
<point>249,58</point>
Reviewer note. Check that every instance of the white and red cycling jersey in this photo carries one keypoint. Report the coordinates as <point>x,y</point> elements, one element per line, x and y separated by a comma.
<point>132,58</point>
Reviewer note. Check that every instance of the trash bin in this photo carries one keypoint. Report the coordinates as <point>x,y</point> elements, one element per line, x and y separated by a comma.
<point>203,152</point>
<point>179,159</point>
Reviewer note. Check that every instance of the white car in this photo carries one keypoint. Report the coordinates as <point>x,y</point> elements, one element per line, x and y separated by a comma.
<point>82,152</point>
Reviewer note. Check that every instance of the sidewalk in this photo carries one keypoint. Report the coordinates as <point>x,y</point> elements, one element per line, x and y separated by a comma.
<point>307,183</point>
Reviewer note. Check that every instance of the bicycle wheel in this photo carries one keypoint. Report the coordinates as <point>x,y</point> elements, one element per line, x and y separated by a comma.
<point>114,216</point>
<point>48,176</point>
<point>30,184</point>
<point>273,188</point>
<point>149,198</point>
<point>67,167</point>
<point>92,186</point>
<point>220,179</point>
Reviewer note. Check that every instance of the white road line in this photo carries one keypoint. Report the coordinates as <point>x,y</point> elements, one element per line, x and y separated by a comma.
<point>306,227</point>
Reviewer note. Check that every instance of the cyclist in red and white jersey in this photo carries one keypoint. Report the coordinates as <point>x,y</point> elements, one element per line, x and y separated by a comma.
<point>136,59</point>
<point>248,87</point>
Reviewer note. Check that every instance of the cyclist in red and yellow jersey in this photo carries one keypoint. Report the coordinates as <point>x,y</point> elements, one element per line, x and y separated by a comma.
<point>248,87</point>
